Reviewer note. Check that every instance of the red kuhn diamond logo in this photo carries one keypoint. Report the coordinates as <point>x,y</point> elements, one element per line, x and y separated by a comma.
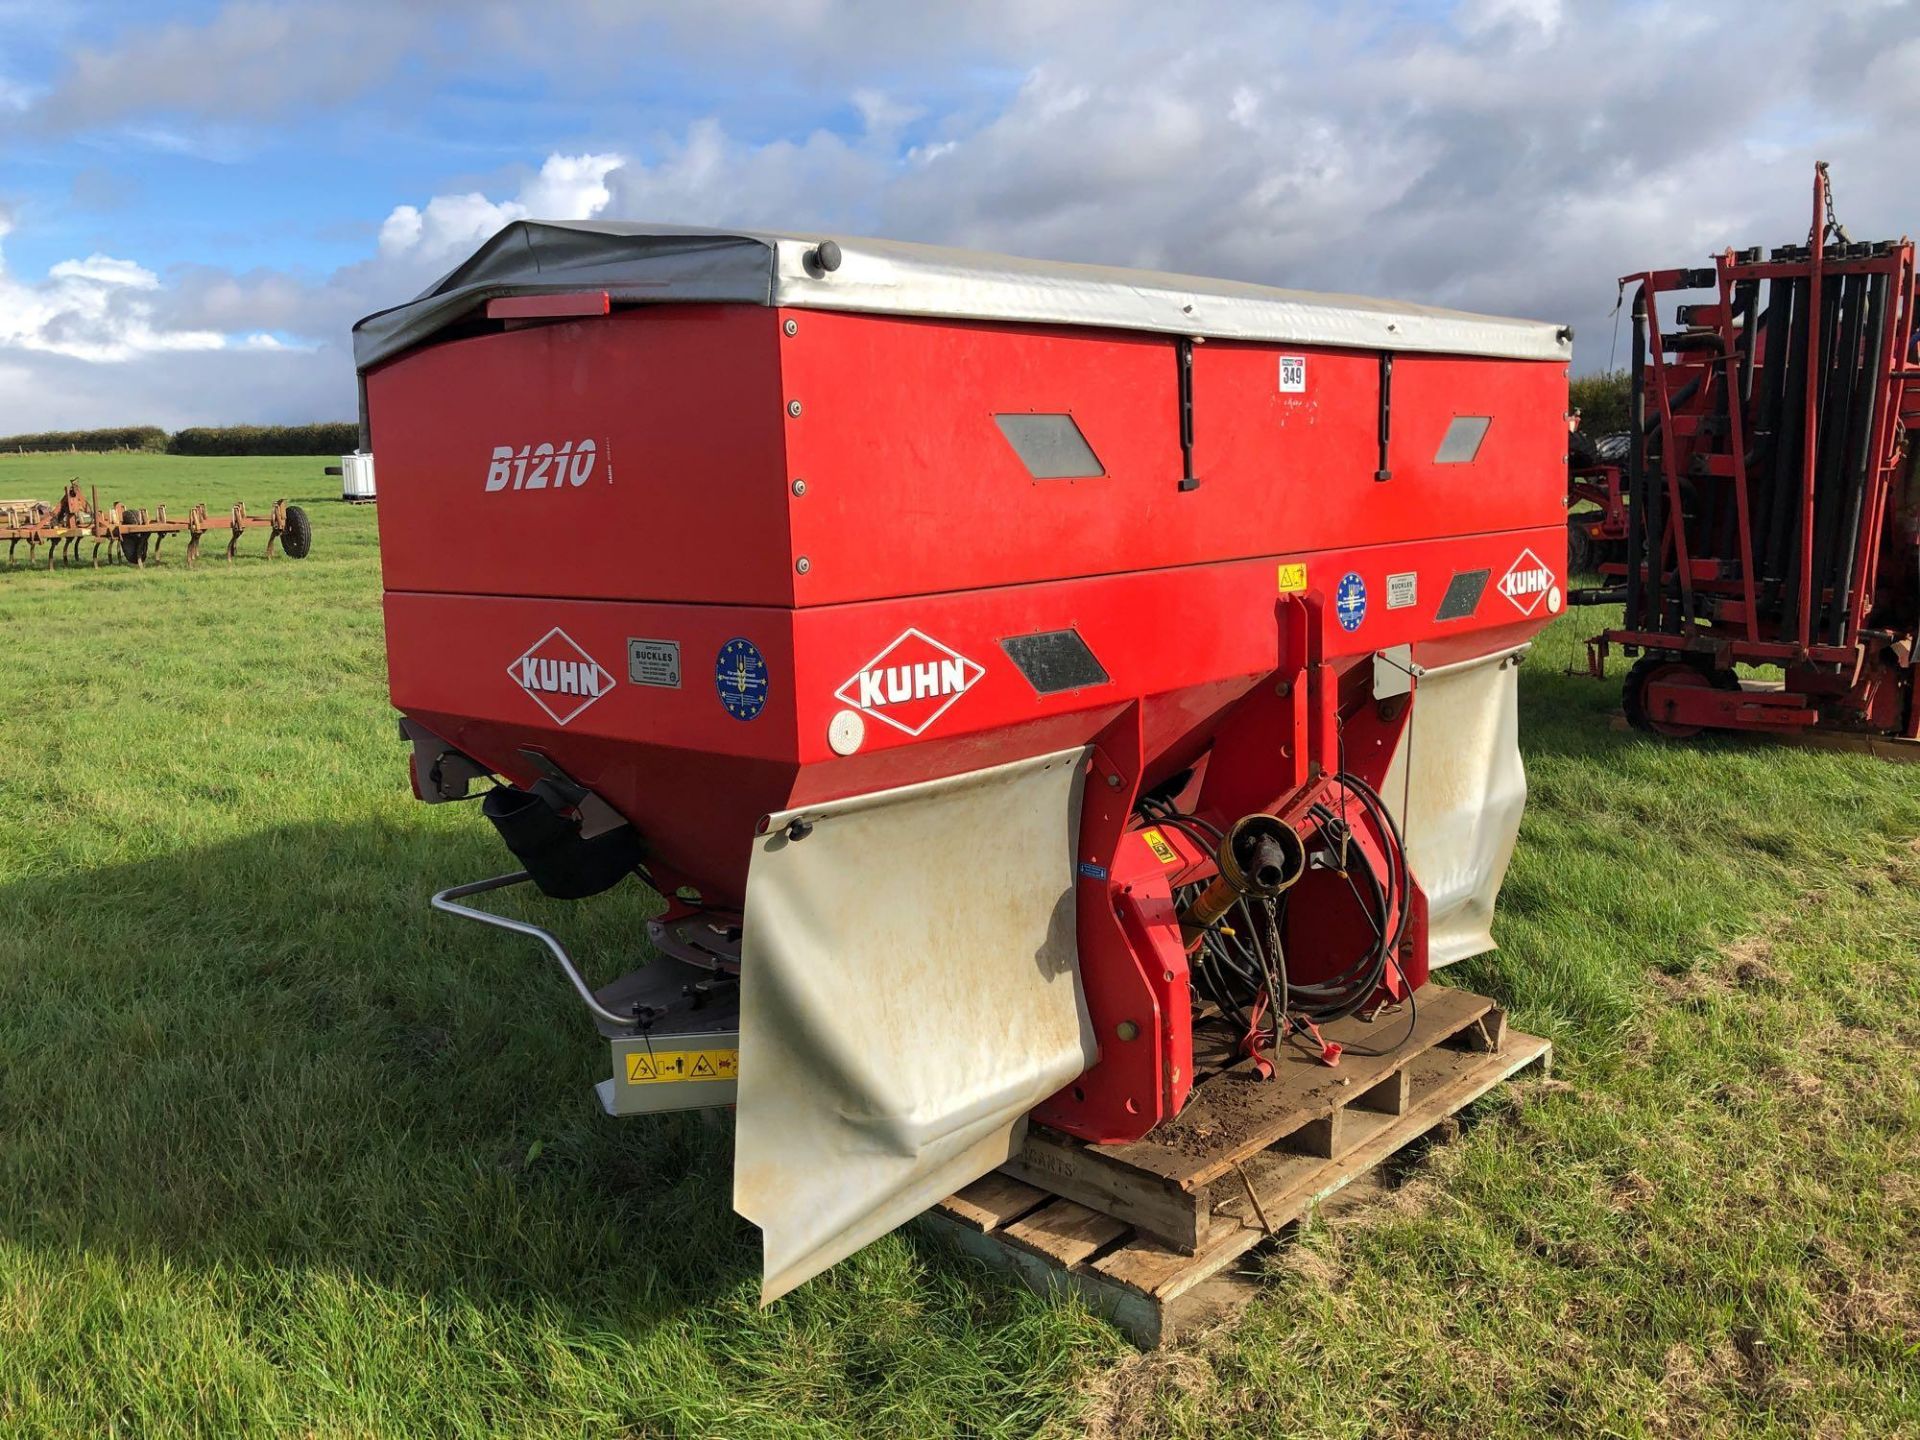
<point>561,677</point>
<point>1527,582</point>
<point>911,683</point>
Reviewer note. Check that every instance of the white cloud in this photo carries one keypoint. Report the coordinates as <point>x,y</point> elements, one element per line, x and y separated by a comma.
<point>1893,78</point>
<point>567,187</point>
<point>105,270</point>
<point>250,61</point>
<point>97,309</point>
<point>449,223</point>
<point>120,317</point>
<point>401,231</point>
<point>1478,156</point>
<point>707,176</point>
<point>191,387</point>
<point>880,114</point>
<point>570,187</point>
<point>1540,17</point>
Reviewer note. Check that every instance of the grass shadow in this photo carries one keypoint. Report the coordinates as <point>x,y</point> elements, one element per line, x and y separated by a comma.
<point>293,1154</point>
<point>269,1051</point>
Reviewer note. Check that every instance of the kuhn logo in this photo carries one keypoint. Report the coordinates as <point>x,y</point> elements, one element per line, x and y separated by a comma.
<point>1527,582</point>
<point>543,466</point>
<point>561,677</point>
<point>911,683</point>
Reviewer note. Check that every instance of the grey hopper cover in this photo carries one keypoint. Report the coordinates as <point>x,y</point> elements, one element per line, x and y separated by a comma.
<point>660,264</point>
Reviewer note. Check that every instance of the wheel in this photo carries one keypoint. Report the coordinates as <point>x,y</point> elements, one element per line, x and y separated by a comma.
<point>1671,669</point>
<point>297,538</point>
<point>1581,559</point>
<point>134,548</point>
<point>1582,452</point>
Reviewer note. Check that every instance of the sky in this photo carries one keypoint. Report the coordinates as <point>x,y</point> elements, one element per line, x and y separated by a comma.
<point>197,200</point>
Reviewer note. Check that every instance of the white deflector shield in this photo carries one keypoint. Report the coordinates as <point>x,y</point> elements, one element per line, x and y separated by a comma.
<point>909,991</point>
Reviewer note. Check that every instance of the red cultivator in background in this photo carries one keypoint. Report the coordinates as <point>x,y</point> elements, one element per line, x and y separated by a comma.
<point>137,535</point>
<point>1769,493</point>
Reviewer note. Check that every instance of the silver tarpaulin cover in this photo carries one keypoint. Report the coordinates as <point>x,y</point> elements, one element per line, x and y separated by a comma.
<point>664,264</point>
<point>909,991</point>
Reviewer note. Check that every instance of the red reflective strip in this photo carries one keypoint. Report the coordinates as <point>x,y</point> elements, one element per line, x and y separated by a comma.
<point>549,307</point>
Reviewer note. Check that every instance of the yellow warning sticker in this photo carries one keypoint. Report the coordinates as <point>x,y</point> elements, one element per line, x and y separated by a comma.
<point>1162,850</point>
<point>1293,579</point>
<point>662,1067</point>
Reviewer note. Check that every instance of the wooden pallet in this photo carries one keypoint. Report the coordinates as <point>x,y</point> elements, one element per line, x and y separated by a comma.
<point>1143,1231</point>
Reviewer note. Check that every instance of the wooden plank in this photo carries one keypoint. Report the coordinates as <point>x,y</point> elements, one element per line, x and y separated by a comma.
<point>1488,1033</point>
<point>1156,1271</point>
<point>1236,1114</point>
<point>1361,1127</point>
<point>993,1200</point>
<point>1078,1171</point>
<point>1142,1319</point>
<point>1064,1232</point>
<point>1389,1097</point>
<point>1152,1294</point>
<point>1443,1082</point>
<point>1278,1176</point>
<point>1318,1137</point>
<point>1263,1175</point>
<point>1289,1185</point>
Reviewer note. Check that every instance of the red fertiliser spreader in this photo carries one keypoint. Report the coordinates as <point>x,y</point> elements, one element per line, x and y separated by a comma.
<point>1770,503</point>
<point>1001,669</point>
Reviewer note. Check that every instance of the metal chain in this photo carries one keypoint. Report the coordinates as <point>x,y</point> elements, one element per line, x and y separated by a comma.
<point>1276,970</point>
<point>1834,227</point>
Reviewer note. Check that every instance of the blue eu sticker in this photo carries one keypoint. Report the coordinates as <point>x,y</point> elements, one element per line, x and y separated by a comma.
<point>740,675</point>
<point>1350,601</point>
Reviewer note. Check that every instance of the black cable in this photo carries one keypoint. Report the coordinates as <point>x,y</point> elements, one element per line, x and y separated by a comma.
<point>1399,884</point>
<point>1232,967</point>
<point>1341,994</point>
<point>1396,849</point>
<point>1346,991</point>
<point>1413,1019</point>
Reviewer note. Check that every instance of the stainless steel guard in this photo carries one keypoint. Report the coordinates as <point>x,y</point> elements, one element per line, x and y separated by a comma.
<point>444,901</point>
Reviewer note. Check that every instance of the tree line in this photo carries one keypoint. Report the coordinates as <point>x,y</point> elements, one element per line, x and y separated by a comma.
<point>1601,400</point>
<point>325,438</point>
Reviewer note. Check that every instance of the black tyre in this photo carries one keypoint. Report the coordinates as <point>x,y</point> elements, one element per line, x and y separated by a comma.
<point>134,548</point>
<point>1581,455</point>
<point>1671,667</point>
<point>1581,559</point>
<point>297,538</point>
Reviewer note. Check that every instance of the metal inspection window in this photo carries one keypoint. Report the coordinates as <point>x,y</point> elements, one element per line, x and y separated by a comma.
<point>1050,446</point>
<point>1462,440</point>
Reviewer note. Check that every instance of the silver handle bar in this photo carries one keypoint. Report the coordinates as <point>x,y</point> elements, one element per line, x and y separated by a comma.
<point>445,901</point>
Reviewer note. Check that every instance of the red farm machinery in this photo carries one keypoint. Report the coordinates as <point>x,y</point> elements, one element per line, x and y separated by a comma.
<point>135,536</point>
<point>1031,688</point>
<point>1761,509</point>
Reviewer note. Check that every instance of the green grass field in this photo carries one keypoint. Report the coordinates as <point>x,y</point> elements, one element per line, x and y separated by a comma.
<point>280,1153</point>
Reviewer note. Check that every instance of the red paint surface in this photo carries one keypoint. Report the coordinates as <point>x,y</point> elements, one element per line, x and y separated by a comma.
<point>917,514</point>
